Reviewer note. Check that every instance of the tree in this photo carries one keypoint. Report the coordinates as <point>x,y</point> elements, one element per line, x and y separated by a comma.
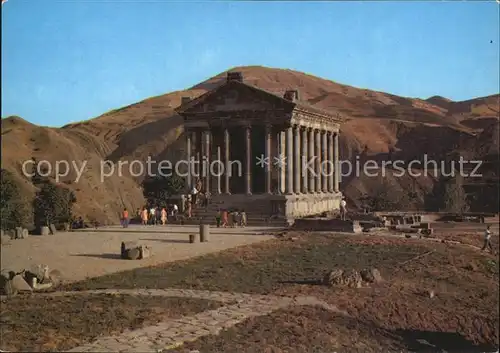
<point>455,198</point>
<point>386,197</point>
<point>53,204</point>
<point>13,206</point>
<point>157,190</point>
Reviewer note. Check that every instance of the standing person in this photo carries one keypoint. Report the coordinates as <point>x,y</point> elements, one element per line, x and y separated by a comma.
<point>343,209</point>
<point>175,211</point>
<point>152,218</point>
<point>189,209</point>
<point>194,195</point>
<point>144,216</point>
<point>218,217</point>
<point>243,218</point>
<point>125,218</point>
<point>224,218</point>
<point>163,216</point>
<point>158,215</point>
<point>234,218</point>
<point>487,240</point>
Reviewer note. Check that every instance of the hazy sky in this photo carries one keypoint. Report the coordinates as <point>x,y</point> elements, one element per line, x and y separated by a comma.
<point>65,61</point>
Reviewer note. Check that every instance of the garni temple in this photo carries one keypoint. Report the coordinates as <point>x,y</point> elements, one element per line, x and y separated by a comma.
<point>265,153</point>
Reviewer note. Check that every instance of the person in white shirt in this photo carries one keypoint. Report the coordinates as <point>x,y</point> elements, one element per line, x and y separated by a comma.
<point>152,212</point>
<point>194,194</point>
<point>343,209</point>
<point>487,240</point>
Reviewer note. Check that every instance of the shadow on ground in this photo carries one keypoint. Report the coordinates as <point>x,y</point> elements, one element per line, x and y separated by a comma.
<point>429,341</point>
<point>174,241</point>
<point>101,256</point>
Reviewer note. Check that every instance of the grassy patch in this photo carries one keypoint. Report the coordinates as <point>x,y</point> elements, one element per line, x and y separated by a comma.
<point>43,323</point>
<point>315,330</point>
<point>262,267</point>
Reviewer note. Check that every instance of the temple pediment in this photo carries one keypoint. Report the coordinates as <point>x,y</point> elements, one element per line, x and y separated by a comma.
<point>234,96</point>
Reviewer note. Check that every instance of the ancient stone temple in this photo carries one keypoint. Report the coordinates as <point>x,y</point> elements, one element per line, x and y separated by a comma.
<point>265,153</point>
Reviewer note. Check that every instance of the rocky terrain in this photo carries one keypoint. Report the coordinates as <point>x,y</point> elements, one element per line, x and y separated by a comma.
<point>378,122</point>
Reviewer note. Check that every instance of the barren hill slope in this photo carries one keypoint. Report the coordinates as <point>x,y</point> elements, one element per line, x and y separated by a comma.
<point>378,121</point>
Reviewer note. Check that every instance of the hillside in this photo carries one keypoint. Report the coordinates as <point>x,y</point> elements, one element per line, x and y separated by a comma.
<point>378,121</point>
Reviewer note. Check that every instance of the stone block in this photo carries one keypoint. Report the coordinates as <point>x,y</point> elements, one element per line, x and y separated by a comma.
<point>19,284</point>
<point>204,232</point>
<point>6,277</point>
<point>133,254</point>
<point>55,277</point>
<point>44,230</point>
<point>332,225</point>
<point>145,251</point>
<point>125,246</point>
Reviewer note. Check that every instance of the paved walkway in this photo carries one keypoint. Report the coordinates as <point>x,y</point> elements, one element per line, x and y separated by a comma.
<point>90,253</point>
<point>175,332</point>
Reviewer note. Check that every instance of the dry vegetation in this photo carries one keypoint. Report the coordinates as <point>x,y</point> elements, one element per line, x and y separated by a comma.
<point>390,315</point>
<point>55,324</point>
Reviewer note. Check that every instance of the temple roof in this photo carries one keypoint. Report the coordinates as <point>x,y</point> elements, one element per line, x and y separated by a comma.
<point>237,82</point>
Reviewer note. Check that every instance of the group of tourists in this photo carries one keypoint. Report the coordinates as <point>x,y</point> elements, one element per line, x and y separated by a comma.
<point>153,215</point>
<point>233,218</point>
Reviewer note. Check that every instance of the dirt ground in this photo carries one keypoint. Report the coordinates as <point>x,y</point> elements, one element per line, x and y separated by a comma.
<point>86,254</point>
<point>464,280</point>
<point>42,323</point>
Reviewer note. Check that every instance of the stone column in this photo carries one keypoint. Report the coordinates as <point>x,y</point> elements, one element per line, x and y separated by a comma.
<point>289,160</point>
<point>189,182</point>
<point>248,160</point>
<point>325,163</point>
<point>336,161</point>
<point>317,168</point>
<point>333,168</point>
<point>296,159</point>
<point>311,156</point>
<point>227,164</point>
<point>303,161</point>
<point>219,170</point>
<point>281,157</point>
<point>206,164</point>
<point>269,156</point>
<point>198,149</point>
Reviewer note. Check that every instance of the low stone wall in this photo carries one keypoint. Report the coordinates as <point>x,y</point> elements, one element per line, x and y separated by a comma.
<point>327,224</point>
<point>299,206</point>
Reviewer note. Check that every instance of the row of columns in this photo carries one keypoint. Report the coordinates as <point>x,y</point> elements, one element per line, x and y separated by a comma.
<point>318,149</point>
<point>298,144</point>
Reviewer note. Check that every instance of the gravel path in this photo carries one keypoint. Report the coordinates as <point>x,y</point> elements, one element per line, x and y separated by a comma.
<point>173,333</point>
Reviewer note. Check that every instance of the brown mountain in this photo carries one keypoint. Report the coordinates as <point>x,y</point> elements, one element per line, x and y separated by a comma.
<point>378,121</point>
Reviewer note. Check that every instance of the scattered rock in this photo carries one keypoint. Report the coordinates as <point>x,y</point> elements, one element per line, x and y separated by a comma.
<point>333,278</point>
<point>127,246</point>
<point>19,284</point>
<point>431,294</point>
<point>55,277</point>
<point>352,279</point>
<point>132,251</point>
<point>371,275</point>
<point>6,277</point>
<point>145,251</point>
<point>133,254</point>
